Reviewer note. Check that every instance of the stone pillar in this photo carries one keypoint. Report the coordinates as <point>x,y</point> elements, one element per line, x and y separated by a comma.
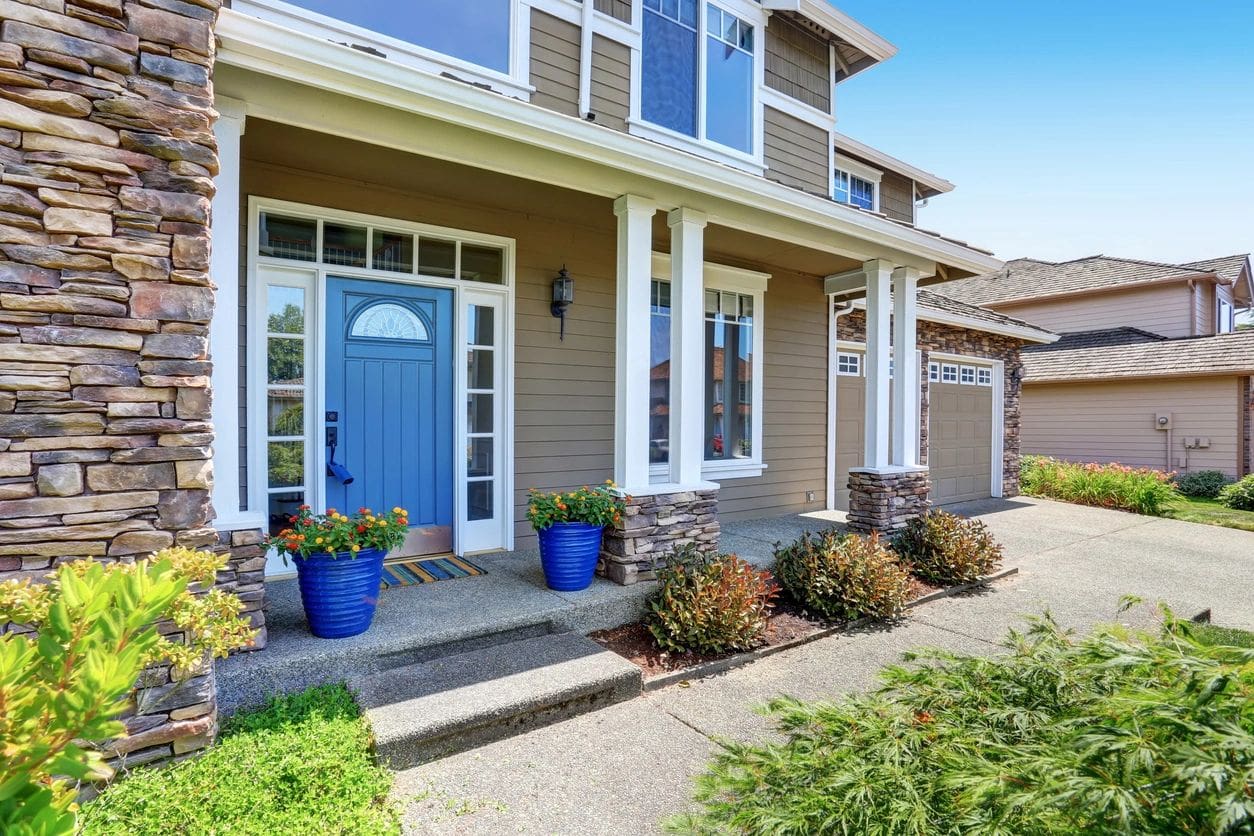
<point>654,524</point>
<point>886,501</point>
<point>108,158</point>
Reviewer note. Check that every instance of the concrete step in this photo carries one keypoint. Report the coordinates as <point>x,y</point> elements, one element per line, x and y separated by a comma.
<point>437,707</point>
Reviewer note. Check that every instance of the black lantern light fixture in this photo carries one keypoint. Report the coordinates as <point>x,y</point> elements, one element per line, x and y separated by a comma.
<point>563,296</point>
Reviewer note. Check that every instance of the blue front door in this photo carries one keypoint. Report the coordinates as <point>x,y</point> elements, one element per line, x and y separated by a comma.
<point>389,404</point>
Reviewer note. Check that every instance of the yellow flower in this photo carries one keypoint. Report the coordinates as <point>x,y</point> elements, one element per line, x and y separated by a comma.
<point>398,510</point>
<point>318,541</point>
<point>356,548</point>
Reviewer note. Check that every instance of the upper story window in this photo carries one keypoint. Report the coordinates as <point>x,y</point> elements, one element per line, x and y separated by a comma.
<point>700,87</point>
<point>1224,317</point>
<point>852,189</point>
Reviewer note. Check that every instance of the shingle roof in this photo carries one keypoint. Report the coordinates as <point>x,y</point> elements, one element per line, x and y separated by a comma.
<point>1228,267</point>
<point>1185,357</point>
<point>1105,337</point>
<point>943,303</point>
<point>1027,278</point>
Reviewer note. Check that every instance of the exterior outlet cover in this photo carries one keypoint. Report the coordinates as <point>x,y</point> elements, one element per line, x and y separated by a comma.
<point>1162,420</point>
<point>809,496</point>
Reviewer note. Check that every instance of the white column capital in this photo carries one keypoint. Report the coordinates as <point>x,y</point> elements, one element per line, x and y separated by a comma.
<point>231,110</point>
<point>685,215</point>
<point>635,205</point>
<point>905,274</point>
<point>878,265</point>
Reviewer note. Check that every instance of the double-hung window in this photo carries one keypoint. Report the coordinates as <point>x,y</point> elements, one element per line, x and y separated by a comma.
<point>698,75</point>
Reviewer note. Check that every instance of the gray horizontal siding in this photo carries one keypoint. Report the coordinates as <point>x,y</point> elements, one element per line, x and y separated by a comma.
<point>796,153</point>
<point>620,9</point>
<point>611,82</point>
<point>798,64</point>
<point>555,63</point>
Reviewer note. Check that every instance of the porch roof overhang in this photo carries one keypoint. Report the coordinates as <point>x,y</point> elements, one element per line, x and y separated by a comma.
<point>286,75</point>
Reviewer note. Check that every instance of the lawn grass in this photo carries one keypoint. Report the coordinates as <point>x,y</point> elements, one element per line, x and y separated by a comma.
<point>1216,636</point>
<point>300,765</point>
<point>1209,512</point>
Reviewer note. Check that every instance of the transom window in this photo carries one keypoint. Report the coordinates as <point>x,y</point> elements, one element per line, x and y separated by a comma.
<point>477,32</point>
<point>854,190</point>
<point>848,365</point>
<point>949,373</point>
<point>389,321</point>
<point>676,93</point>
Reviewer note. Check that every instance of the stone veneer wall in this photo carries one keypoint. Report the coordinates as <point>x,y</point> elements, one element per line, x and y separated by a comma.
<point>107,159</point>
<point>945,338</point>
<point>652,526</point>
<point>886,502</point>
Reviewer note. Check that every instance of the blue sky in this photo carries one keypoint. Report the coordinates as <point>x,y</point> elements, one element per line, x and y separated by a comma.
<point>1070,128</point>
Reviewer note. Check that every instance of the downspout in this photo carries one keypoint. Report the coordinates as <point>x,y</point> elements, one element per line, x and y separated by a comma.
<point>837,309</point>
<point>585,61</point>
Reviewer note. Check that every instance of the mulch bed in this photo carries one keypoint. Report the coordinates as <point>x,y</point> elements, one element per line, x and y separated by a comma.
<point>788,622</point>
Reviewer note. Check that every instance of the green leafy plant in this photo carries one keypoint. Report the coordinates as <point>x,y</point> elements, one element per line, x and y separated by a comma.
<point>1202,483</point>
<point>302,764</point>
<point>709,603</point>
<point>843,576</point>
<point>1116,732</point>
<point>599,505</point>
<point>66,683</point>
<point>1137,489</point>
<point>947,549</point>
<point>1239,496</point>
<point>340,534</point>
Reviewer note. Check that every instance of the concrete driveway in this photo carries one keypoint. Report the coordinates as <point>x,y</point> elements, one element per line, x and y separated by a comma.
<point>623,769</point>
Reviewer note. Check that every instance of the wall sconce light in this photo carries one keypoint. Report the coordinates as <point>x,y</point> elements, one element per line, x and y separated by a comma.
<point>563,296</point>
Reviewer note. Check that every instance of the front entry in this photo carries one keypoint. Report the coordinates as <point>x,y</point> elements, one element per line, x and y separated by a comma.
<point>389,405</point>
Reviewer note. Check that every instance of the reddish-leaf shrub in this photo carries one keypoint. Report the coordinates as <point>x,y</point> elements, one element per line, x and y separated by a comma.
<point>843,576</point>
<point>709,603</point>
<point>945,548</point>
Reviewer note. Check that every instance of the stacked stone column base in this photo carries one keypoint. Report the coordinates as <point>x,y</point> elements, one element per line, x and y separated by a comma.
<point>885,502</point>
<point>654,525</point>
<point>245,576</point>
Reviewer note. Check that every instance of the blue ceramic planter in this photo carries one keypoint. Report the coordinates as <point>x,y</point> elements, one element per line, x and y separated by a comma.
<point>339,592</point>
<point>568,553</point>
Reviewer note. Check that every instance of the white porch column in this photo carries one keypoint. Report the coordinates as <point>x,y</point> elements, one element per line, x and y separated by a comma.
<point>875,450</point>
<point>224,329</point>
<point>906,369</point>
<point>631,344</point>
<point>687,396</point>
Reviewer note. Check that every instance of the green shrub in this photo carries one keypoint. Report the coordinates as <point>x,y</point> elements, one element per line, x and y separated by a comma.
<point>947,549</point>
<point>843,576</point>
<point>1239,496</point>
<point>1205,484</point>
<point>1112,733</point>
<point>1140,490</point>
<point>709,603</point>
<point>302,764</point>
<point>66,684</point>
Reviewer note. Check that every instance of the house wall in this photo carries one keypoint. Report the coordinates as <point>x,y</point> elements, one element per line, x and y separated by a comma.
<point>796,153</point>
<point>620,9</point>
<point>897,197</point>
<point>1113,421</point>
<point>798,63</point>
<point>1164,309</point>
<point>611,82</point>
<point>555,46</point>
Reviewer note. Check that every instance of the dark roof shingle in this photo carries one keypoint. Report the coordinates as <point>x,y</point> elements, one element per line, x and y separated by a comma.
<point>1223,354</point>
<point>945,304</point>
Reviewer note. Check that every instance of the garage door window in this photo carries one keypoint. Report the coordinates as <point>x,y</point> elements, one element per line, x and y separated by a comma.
<point>949,373</point>
<point>984,377</point>
<point>933,372</point>
<point>968,376</point>
<point>848,365</point>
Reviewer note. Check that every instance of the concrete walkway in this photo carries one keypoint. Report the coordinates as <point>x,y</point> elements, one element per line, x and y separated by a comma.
<point>623,769</point>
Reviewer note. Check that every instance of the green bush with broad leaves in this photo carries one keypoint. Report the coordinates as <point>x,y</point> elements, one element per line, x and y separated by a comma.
<point>1203,484</point>
<point>1115,732</point>
<point>1140,490</point>
<point>843,576</point>
<point>67,682</point>
<point>1239,496</point>
<point>707,603</point>
<point>947,549</point>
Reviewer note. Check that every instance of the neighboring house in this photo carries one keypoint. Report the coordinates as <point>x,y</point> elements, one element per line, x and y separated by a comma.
<point>1149,370</point>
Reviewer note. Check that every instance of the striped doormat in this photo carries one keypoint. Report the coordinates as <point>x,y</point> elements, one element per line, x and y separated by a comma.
<point>427,570</point>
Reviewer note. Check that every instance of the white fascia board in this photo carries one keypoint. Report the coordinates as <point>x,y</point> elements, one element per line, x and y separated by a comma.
<point>971,323</point>
<point>268,48</point>
<point>839,24</point>
<point>890,163</point>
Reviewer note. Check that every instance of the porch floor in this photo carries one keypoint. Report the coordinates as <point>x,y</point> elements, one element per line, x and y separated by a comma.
<point>415,622</point>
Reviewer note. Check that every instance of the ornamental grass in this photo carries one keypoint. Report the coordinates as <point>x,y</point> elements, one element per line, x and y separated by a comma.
<point>1140,490</point>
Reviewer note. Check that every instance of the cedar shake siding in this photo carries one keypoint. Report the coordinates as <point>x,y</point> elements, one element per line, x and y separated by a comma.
<point>797,153</point>
<point>798,64</point>
<point>611,82</point>
<point>1113,421</point>
<point>620,9</point>
<point>897,197</point>
<point>555,63</point>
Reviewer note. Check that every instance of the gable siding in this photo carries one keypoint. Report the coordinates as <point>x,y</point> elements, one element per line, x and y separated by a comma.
<point>611,82</point>
<point>555,63</point>
<point>798,64</point>
<point>1165,310</point>
<point>796,153</point>
<point>897,197</point>
<point>620,9</point>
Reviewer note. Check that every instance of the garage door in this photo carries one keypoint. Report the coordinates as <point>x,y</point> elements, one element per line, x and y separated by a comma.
<point>960,431</point>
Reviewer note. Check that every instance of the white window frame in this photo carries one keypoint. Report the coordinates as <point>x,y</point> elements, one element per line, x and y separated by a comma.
<point>949,373</point>
<point>933,372</point>
<point>1224,322</point>
<point>516,82</point>
<point>983,376</point>
<point>750,283</point>
<point>755,162</point>
<point>468,537</point>
<point>845,358</point>
<point>850,167</point>
<point>966,375</point>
